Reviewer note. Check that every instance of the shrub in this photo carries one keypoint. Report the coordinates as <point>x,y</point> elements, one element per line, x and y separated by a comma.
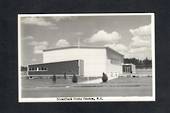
<point>54,78</point>
<point>74,79</point>
<point>104,77</point>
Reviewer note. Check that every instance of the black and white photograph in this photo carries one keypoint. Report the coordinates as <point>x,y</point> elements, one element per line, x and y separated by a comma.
<point>86,57</point>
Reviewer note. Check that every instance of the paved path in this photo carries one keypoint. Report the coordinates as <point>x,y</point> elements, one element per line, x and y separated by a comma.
<point>99,80</point>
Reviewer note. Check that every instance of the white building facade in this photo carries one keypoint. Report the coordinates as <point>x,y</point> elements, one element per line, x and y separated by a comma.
<point>96,60</point>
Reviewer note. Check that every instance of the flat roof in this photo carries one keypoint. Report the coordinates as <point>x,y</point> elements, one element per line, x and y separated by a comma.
<point>87,47</point>
<point>70,47</point>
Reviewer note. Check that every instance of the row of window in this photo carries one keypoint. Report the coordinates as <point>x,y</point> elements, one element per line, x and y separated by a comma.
<point>127,69</point>
<point>38,69</point>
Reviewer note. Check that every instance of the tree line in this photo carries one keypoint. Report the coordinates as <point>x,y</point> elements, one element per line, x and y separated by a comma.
<point>145,63</point>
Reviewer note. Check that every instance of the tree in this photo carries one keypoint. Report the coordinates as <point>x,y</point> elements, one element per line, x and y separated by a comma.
<point>139,63</point>
<point>74,79</point>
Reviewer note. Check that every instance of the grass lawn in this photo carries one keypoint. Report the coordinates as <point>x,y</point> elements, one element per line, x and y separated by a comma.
<point>33,88</point>
<point>60,82</point>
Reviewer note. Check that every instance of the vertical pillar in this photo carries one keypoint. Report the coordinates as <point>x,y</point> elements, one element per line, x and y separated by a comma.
<point>125,69</point>
<point>79,67</point>
<point>128,69</point>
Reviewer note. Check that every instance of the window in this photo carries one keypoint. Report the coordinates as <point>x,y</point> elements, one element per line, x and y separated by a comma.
<point>38,69</point>
<point>32,68</point>
<point>42,68</point>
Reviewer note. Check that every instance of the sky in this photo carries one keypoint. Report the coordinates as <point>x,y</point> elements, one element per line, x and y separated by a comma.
<point>129,35</point>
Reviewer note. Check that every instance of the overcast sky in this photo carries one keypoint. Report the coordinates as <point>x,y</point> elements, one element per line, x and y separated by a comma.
<point>129,35</point>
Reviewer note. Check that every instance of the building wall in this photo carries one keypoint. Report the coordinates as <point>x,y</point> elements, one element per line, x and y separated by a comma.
<point>133,68</point>
<point>94,59</point>
<point>81,67</point>
<point>113,70</point>
<point>114,63</point>
<point>55,68</point>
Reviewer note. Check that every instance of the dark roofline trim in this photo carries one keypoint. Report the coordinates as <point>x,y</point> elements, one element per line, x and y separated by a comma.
<point>53,62</point>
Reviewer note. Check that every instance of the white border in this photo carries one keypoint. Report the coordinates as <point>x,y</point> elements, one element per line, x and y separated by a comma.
<point>105,99</point>
<point>19,59</point>
<point>153,56</point>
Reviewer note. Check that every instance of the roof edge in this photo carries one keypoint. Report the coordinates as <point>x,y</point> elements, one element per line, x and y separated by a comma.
<point>89,47</point>
<point>70,47</point>
<point>114,51</point>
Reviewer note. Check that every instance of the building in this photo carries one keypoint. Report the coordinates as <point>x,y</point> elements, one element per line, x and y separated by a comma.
<point>57,68</point>
<point>82,61</point>
<point>129,68</point>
